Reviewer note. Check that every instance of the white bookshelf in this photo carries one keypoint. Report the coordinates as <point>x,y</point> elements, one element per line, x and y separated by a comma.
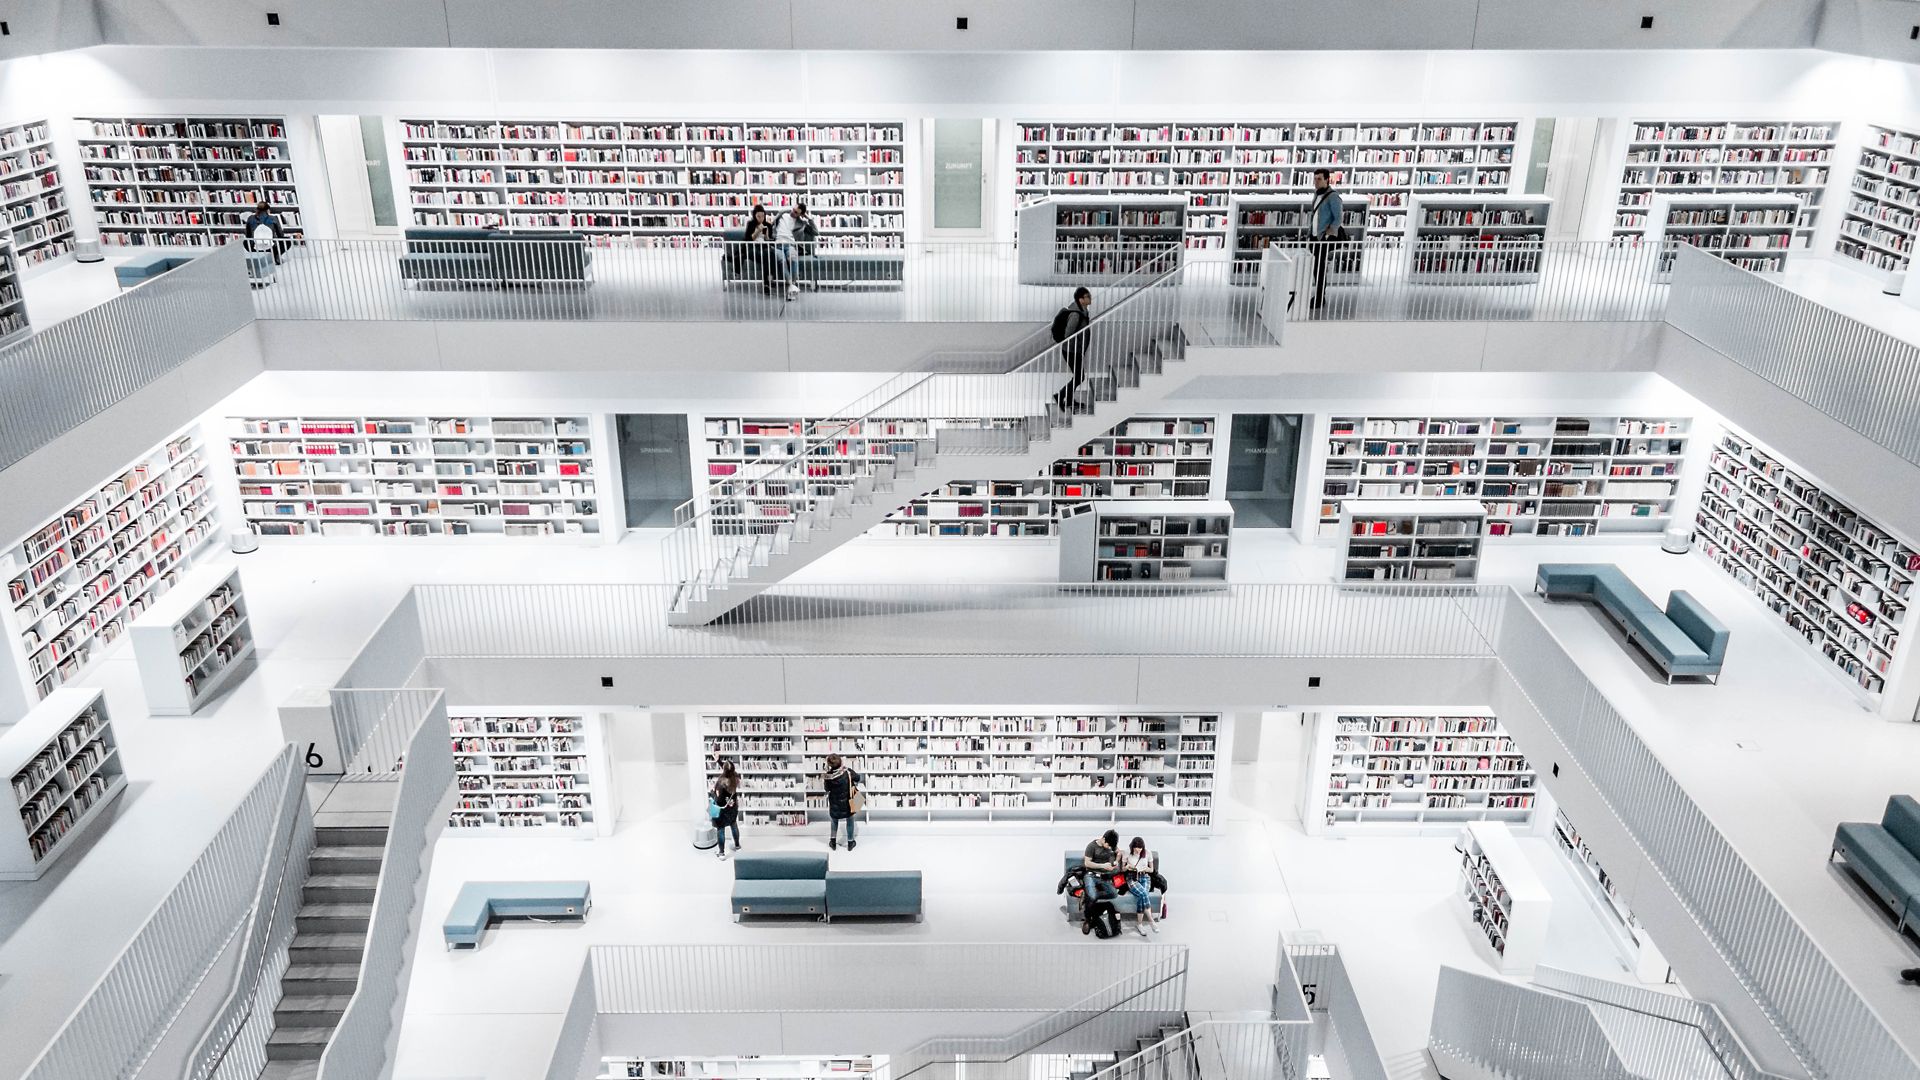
<point>657,183</point>
<point>1707,157</point>
<point>1556,476</point>
<point>194,641</point>
<point>1208,163</point>
<point>519,771</point>
<point>31,196</point>
<point>1415,773</point>
<point>1882,204</point>
<point>1416,541</point>
<point>1097,239</point>
<point>1840,580</point>
<point>525,475</point>
<point>1506,902</point>
<point>74,583</point>
<point>1751,230</point>
<point>185,181</point>
<point>1256,222</point>
<point>1637,950</point>
<point>1476,239</point>
<point>769,1067</point>
<point>987,768</point>
<point>1147,540</point>
<point>13,303</point>
<point>63,768</point>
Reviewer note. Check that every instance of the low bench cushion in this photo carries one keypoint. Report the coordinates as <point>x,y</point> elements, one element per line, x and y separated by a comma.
<point>779,866</point>
<point>873,892</point>
<point>481,901</point>
<point>787,897</point>
<point>447,265</point>
<point>1699,624</point>
<point>1902,822</point>
<point>150,267</point>
<point>1892,870</point>
<point>1567,579</point>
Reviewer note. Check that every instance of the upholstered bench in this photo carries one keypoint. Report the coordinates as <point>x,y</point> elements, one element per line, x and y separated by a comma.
<point>1122,902</point>
<point>1685,639</point>
<point>779,883</point>
<point>131,273</point>
<point>873,892</point>
<point>1886,857</point>
<point>481,902</point>
<point>261,269</point>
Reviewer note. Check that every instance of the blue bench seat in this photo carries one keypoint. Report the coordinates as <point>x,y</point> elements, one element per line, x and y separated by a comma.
<point>481,902</point>
<point>133,272</point>
<point>1886,857</point>
<point>799,883</point>
<point>1685,639</point>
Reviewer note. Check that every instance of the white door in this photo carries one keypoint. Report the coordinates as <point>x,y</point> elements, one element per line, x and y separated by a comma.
<point>359,175</point>
<point>959,191</point>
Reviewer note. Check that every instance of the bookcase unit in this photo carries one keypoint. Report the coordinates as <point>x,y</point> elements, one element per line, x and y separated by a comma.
<point>658,183</point>
<point>515,771</point>
<point>974,768</point>
<point>1563,476</point>
<point>1149,540</point>
<point>1207,163</point>
<point>1636,949</point>
<point>31,197</point>
<point>185,181</point>
<point>13,303</point>
<point>1416,541</point>
<point>1422,773</point>
<point>1476,239</point>
<point>1506,901</point>
<point>1697,157</point>
<point>770,1067</point>
<point>416,476</point>
<point>1257,222</point>
<point>1754,231</point>
<point>1843,582</point>
<point>63,768</point>
<point>74,583</point>
<point>193,641</point>
<point>1097,239</point>
<point>1882,206</point>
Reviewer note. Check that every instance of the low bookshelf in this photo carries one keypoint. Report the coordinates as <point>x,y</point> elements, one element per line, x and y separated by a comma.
<point>761,1067</point>
<point>980,768</point>
<point>186,181</point>
<point>13,303</point>
<point>31,196</point>
<point>63,768</point>
<point>1884,202</point>
<point>1416,541</point>
<point>1476,239</point>
<point>1754,231</point>
<point>1097,239</point>
<point>1506,902</point>
<point>1257,222</point>
<point>1724,157</point>
<point>194,641</point>
<point>1415,773</point>
<point>1147,540</point>
<point>526,475</point>
<point>1636,949</point>
<point>517,771</point>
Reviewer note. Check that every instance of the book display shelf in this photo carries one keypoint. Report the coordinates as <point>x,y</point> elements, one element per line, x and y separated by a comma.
<point>984,768</point>
<point>1418,773</point>
<point>845,1067</point>
<point>1097,239</point>
<point>1258,222</point>
<point>1506,901</point>
<point>1881,208</point>
<point>1147,540</point>
<point>1754,231</point>
<point>1476,239</point>
<point>416,476</point>
<point>657,183</point>
<point>13,303</point>
<point>518,771</point>
<point>1636,949</point>
<point>1560,476</point>
<point>1706,157</point>
<point>194,641</point>
<point>74,583</point>
<point>1843,582</point>
<point>185,181</point>
<point>1418,541</point>
<point>31,197</point>
<point>63,768</point>
<point>1208,163</point>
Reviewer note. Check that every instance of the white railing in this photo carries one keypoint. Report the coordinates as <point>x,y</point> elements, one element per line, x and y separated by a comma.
<point>576,1053</point>
<point>1508,1031</point>
<point>1864,378</point>
<point>143,990</point>
<point>375,729</point>
<point>1708,1025</point>
<point>390,657</point>
<point>70,372</point>
<point>1349,1047</point>
<point>362,1046</point>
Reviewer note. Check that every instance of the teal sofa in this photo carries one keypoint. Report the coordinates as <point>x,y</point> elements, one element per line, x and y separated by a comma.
<point>799,883</point>
<point>133,272</point>
<point>1683,640</point>
<point>1122,903</point>
<point>481,902</point>
<point>1886,857</point>
<point>494,257</point>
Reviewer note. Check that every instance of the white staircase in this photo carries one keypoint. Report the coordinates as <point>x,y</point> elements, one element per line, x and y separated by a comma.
<point>1135,368</point>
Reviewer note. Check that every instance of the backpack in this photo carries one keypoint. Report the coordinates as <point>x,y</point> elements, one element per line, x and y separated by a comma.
<point>1060,323</point>
<point>1103,917</point>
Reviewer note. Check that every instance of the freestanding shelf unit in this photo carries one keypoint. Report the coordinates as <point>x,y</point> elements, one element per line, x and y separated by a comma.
<point>62,766</point>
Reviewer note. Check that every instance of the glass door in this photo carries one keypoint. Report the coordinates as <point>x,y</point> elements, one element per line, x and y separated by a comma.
<point>959,180</point>
<point>1263,469</point>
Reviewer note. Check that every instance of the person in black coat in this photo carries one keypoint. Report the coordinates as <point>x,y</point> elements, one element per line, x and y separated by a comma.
<point>759,248</point>
<point>263,217</point>
<point>726,796</point>
<point>840,784</point>
<point>1070,330</point>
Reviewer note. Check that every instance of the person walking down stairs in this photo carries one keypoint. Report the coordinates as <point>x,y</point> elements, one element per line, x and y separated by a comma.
<point>1070,330</point>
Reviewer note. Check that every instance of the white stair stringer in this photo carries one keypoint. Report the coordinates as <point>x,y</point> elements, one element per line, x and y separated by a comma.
<point>1137,385</point>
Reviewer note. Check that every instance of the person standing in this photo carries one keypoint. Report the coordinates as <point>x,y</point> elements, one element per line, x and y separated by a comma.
<point>1071,330</point>
<point>759,248</point>
<point>793,231</point>
<point>726,796</point>
<point>842,785</point>
<point>1328,230</point>
<point>1140,866</point>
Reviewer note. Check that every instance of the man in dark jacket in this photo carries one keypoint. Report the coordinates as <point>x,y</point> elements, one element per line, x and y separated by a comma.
<point>1070,327</point>
<point>840,784</point>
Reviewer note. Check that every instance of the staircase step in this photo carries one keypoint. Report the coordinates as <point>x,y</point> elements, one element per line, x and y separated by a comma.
<point>334,918</point>
<point>310,1011</point>
<point>291,1070</point>
<point>297,1044</point>
<point>346,859</point>
<point>360,836</point>
<point>306,980</point>
<point>324,948</point>
<point>340,888</point>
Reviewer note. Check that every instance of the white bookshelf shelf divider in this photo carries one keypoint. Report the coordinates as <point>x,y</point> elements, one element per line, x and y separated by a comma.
<point>193,641</point>
<point>1435,541</point>
<point>31,195</point>
<point>186,181</point>
<point>63,768</point>
<point>1147,540</point>
<point>1507,903</point>
<point>1415,773</point>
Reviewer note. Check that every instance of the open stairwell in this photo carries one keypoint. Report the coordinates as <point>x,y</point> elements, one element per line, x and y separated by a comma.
<point>1127,377</point>
<point>330,937</point>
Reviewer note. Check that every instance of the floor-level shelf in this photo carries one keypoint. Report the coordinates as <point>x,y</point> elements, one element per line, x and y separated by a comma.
<point>186,180</point>
<point>1753,230</point>
<point>31,196</point>
<point>63,768</point>
<point>194,641</point>
<point>1416,772</point>
<point>1507,903</point>
<point>1098,239</point>
<point>1420,541</point>
<point>1719,157</point>
<point>1147,541</point>
<point>1476,239</point>
<point>545,770</point>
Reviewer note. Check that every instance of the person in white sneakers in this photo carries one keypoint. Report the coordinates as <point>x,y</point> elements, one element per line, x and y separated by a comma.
<point>1140,865</point>
<point>791,233</point>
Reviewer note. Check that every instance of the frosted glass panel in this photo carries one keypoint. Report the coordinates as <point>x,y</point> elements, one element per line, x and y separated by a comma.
<point>959,161</point>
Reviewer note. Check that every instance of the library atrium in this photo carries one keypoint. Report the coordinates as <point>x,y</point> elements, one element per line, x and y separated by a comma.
<point>781,539</point>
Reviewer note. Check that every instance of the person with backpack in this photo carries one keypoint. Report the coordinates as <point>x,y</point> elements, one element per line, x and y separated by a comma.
<point>844,799</point>
<point>723,804</point>
<point>1071,329</point>
<point>1328,230</point>
<point>262,230</point>
<point>793,234</point>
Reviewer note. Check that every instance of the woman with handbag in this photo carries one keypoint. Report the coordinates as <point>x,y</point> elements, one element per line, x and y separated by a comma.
<point>1141,865</point>
<point>844,799</point>
<point>723,806</point>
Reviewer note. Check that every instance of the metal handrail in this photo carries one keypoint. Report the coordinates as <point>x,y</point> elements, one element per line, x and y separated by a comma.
<point>1702,1016</point>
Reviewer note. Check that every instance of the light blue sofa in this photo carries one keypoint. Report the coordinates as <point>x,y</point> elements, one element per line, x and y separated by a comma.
<point>1123,903</point>
<point>1683,640</point>
<point>1887,857</point>
<point>481,902</point>
<point>799,883</point>
<point>131,273</point>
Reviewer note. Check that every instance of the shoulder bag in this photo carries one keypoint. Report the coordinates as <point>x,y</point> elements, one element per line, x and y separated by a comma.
<point>856,799</point>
